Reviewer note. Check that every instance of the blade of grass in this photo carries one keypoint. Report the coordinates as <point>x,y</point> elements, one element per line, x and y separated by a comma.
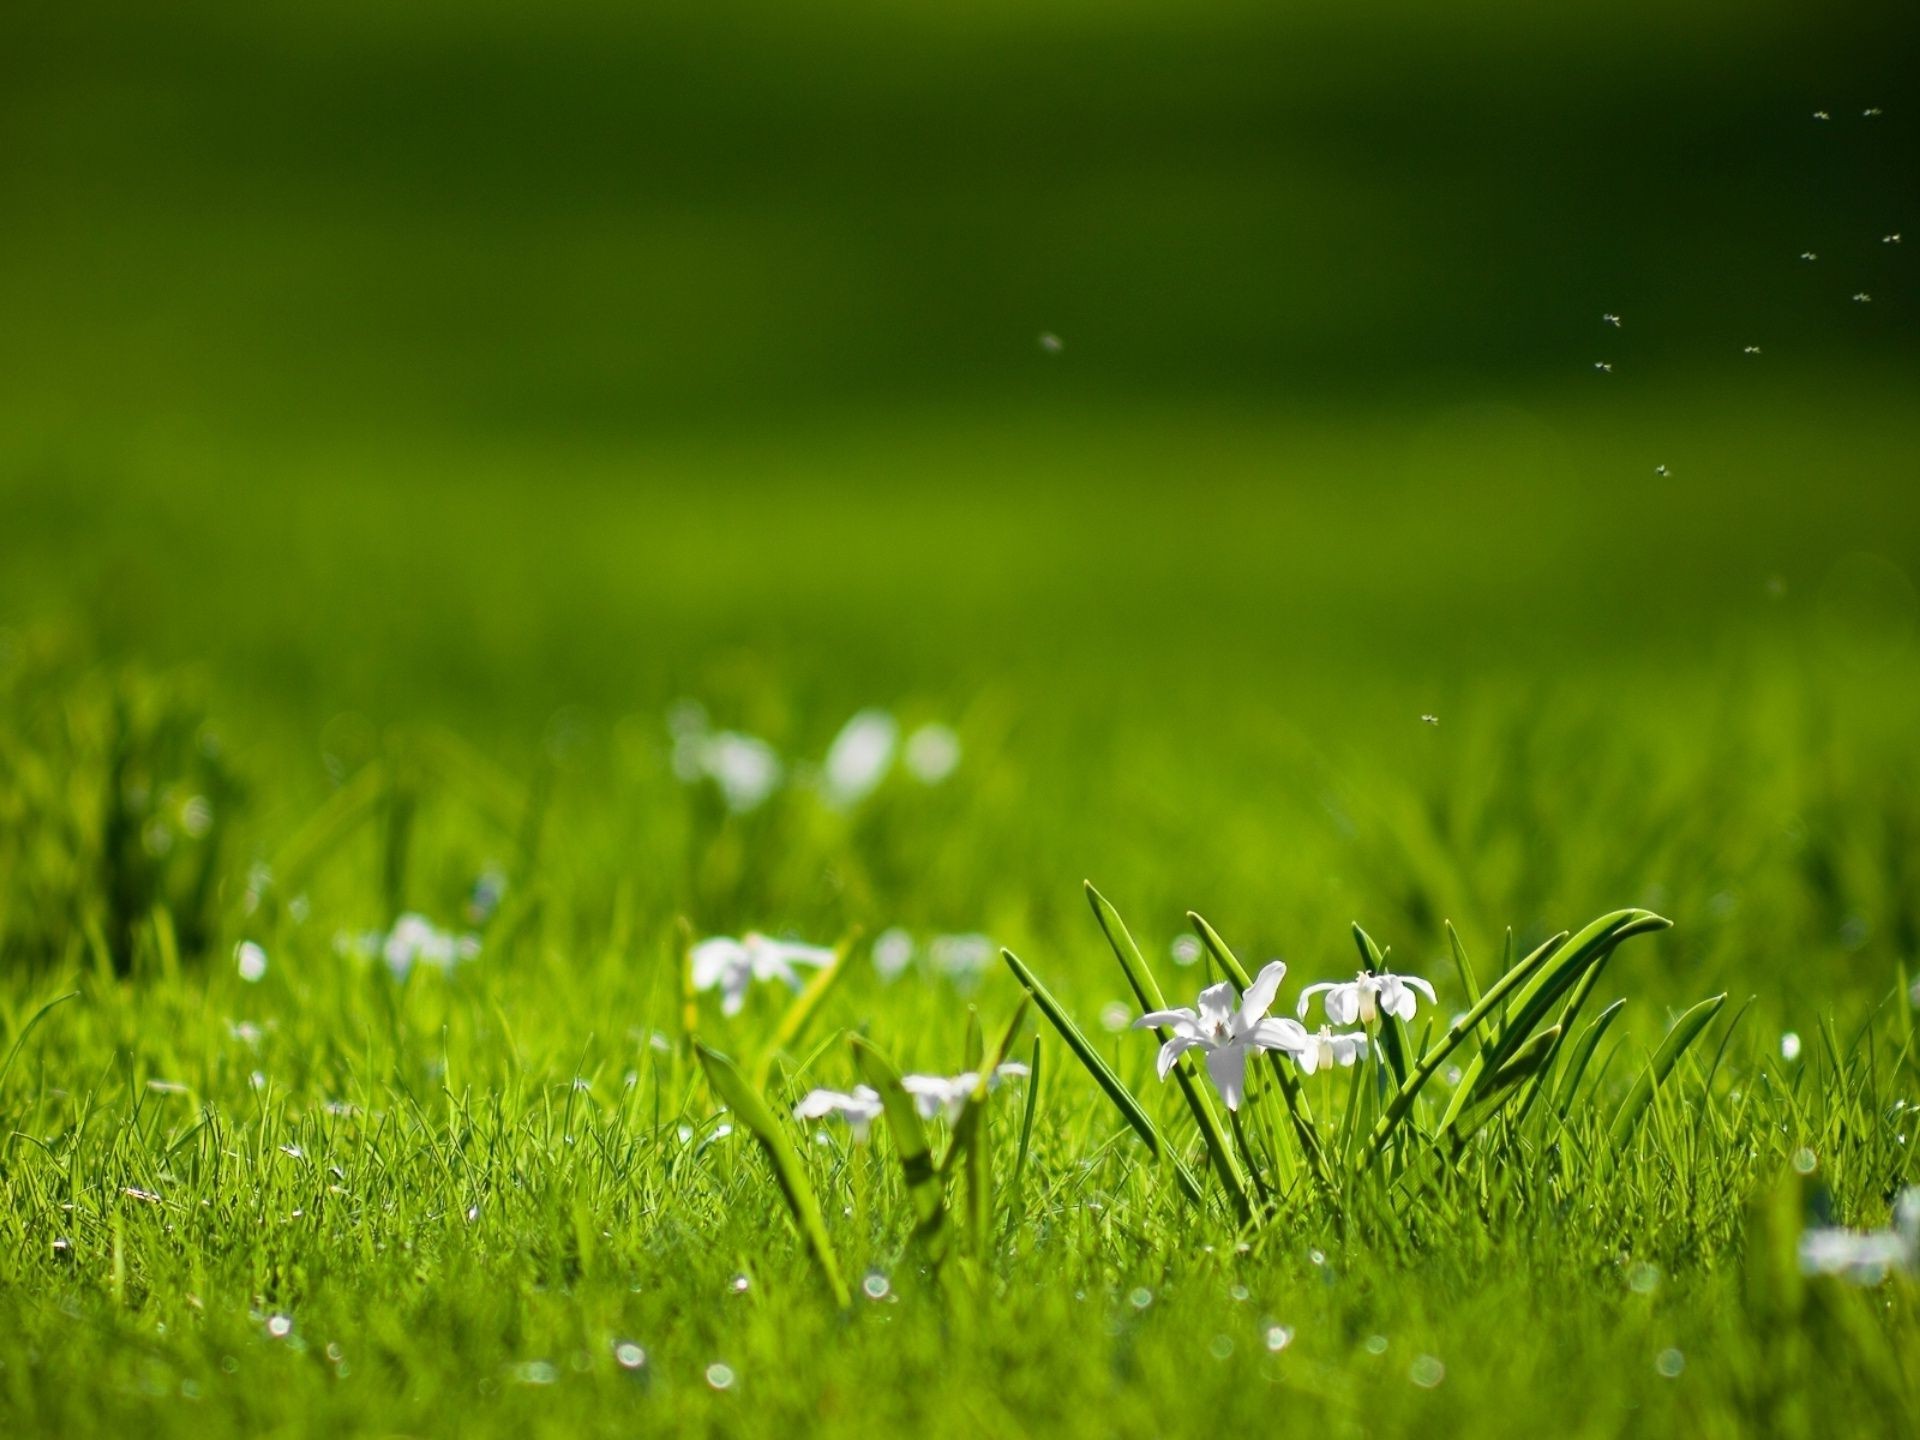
<point>1626,1117</point>
<point>1103,1076</point>
<point>1463,965</point>
<point>909,1139</point>
<point>805,1005</point>
<point>1561,969</point>
<point>1522,1065</point>
<point>1581,1055</point>
<point>753,1111</point>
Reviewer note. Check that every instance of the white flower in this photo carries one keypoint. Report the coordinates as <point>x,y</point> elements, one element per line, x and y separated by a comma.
<point>859,1107</point>
<point>1361,999</point>
<point>1865,1256</point>
<point>251,961</point>
<point>859,758</point>
<point>892,952</point>
<point>416,940</point>
<point>932,753</point>
<point>1326,1049</point>
<point>948,1094</point>
<point>1227,1035</point>
<point>745,768</point>
<point>962,956</point>
<point>731,965</point>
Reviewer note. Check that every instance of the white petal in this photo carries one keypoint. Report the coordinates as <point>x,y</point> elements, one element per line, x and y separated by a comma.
<point>1216,1005</point>
<point>713,958</point>
<point>1348,1048</point>
<point>1279,1034</point>
<point>1011,1070</point>
<point>1260,993</point>
<point>817,1104</point>
<point>1228,1067</point>
<point>1400,1003</point>
<point>1422,986</point>
<point>1343,1004</point>
<point>1172,1051</point>
<point>1306,996</point>
<point>1183,1021</point>
<point>795,953</point>
<point>734,998</point>
<point>1308,1059</point>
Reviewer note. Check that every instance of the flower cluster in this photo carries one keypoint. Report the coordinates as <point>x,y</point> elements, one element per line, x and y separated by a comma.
<point>730,966</point>
<point>413,940</point>
<point>1866,1256</point>
<point>747,770</point>
<point>943,1095</point>
<point>958,957</point>
<point>1227,1027</point>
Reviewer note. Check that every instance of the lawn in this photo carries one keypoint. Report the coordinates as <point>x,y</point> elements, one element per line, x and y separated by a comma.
<point>461,475</point>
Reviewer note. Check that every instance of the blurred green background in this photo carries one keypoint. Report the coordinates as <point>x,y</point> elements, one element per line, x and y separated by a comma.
<point>520,369</point>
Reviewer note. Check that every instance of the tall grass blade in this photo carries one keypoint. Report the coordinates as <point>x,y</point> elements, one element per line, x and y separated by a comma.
<point>799,1014</point>
<point>1581,1055</point>
<point>751,1107</point>
<point>1147,990</point>
<point>1553,974</point>
<point>909,1139</point>
<point>1103,1075</point>
<point>1626,1117</point>
<point>1498,1088</point>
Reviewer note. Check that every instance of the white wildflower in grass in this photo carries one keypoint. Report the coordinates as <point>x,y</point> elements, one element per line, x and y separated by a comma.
<point>948,1094</point>
<point>730,966</point>
<point>1866,1257</point>
<point>251,961</point>
<point>859,758</point>
<point>1362,999</point>
<point>745,768</point>
<point>963,957</point>
<point>933,753</point>
<point>1227,1034</point>
<point>1324,1049</point>
<point>1789,1046</point>
<point>416,940</point>
<point>893,952</point>
<point>859,1107</point>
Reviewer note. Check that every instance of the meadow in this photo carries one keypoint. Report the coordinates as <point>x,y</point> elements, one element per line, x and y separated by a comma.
<point>422,625</point>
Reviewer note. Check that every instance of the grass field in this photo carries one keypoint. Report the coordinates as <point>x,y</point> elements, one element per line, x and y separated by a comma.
<point>408,418</point>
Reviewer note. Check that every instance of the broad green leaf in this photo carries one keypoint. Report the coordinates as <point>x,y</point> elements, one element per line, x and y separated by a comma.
<point>1147,989</point>
<point>752,1110</point>
<point>1103,1075</point>
<point>1684,1032</point>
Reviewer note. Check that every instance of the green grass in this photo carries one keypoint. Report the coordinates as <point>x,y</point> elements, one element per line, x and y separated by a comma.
<point>405,407</point>
<point>1202,689</point>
